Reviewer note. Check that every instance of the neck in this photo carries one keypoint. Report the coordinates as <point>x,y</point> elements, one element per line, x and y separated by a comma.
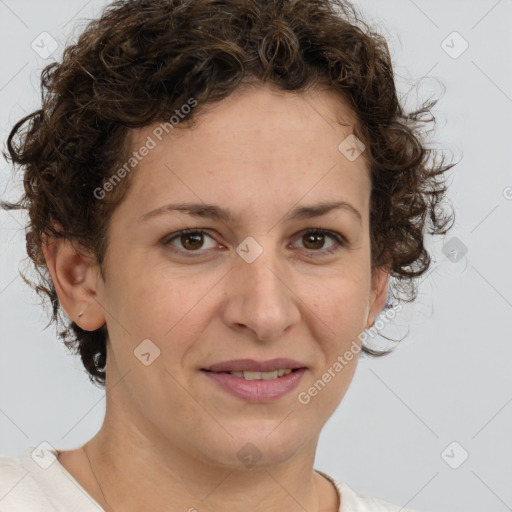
<point>174,480</point>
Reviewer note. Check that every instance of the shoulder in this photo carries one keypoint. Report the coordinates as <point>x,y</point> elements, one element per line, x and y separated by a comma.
<point>17,489</point>
<point>11,472</point>
<point>37,482</point>
<point>351,501</point>
<point>363,503</point>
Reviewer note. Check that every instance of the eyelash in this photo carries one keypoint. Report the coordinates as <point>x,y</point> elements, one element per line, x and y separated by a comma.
<point>339,239</point>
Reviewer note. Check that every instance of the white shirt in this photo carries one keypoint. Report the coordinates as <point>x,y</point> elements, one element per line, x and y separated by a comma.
<point>37,482</point>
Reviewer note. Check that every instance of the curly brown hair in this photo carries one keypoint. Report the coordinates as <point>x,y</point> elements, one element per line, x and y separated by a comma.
<point>142,59</point>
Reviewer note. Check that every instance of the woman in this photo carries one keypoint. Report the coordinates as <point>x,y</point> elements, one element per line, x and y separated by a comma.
<point>219,193</point>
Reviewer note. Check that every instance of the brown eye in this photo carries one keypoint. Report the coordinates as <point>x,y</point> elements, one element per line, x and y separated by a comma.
<point>190,240</point>
<point>314,241</point>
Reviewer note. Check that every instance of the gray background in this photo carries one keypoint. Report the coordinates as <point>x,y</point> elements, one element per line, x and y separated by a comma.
<point>449,381</point>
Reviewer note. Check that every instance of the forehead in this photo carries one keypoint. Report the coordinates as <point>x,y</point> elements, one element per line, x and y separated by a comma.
<point>259,145</point>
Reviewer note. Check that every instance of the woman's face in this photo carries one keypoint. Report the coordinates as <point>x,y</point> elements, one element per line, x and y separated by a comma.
<point>259,285</point>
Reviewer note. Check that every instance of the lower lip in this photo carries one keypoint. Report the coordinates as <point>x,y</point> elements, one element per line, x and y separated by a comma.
<point>257,390</point>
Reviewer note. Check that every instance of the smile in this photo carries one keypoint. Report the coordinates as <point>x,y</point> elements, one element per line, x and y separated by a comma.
<point>281,372</point>
<point>257,387</point>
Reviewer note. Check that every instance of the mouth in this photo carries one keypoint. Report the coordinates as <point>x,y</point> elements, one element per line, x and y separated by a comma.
<point>254,381</point>
<point>252,375</point>
<point>280,364</point>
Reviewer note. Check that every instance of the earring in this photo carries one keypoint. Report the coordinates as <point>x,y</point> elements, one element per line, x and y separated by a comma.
<point>80,314</point>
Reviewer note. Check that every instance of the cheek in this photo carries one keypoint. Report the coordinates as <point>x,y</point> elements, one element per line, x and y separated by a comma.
<point>154,296</point>
<point>171,311</point>
<point>341,305</point>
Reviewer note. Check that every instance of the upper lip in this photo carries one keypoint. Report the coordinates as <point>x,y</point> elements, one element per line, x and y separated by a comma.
<point>250,365</point>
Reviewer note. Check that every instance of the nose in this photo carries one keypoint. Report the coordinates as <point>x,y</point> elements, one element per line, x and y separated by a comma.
<point>261,299</point>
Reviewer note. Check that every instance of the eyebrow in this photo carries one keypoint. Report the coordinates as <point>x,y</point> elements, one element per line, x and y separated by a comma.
<point>211,211</point>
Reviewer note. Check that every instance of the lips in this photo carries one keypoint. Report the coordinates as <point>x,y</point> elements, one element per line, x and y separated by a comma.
<point>256,381</point>
<point>250,365</point>
<point>258,390</point>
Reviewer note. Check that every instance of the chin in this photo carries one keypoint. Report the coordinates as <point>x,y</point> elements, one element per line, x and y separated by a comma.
<point>261,446</point>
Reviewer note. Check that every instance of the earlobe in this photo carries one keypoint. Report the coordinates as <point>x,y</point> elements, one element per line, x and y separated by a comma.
<point>76,278</point>
<point>379,294</point>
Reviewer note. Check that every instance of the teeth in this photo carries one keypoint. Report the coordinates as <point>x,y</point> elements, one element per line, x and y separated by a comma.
<point>281,372</point>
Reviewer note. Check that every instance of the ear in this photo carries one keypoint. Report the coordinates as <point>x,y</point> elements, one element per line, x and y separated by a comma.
<point>77,281</point>
<point>378,294</point>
